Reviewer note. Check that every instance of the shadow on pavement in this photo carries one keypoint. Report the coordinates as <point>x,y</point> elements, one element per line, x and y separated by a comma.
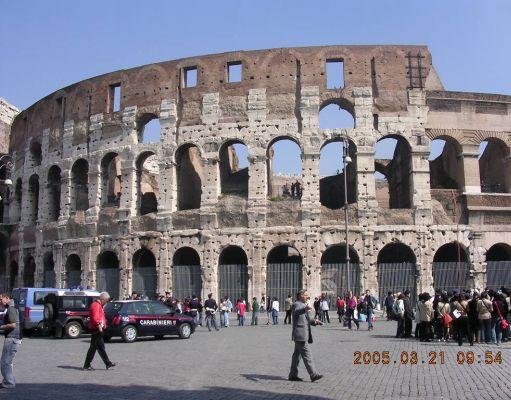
<point>259,377</point>
<point>70,367</point>
<point>51,391</point>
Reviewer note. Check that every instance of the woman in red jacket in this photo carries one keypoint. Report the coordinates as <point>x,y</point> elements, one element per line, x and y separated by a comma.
<point>97,324</point>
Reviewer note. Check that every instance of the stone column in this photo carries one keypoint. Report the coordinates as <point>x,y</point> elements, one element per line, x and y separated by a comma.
<point>478,260</point>
<point>366,189</point>
<point>129,197</point>
<point>89,270</point>
<point>310,204</point>
<point>65,195</point>
<point>209,266</point>
<point>59,262</point>
<point>369,263</point>
<point>125,269</point>
<point>258,267</point>
<point>312,264</point>
<point>164,269</point>
<point>94,189</point>
<point>257,187</point>
<point>470,154</point>
<point>210,191</point>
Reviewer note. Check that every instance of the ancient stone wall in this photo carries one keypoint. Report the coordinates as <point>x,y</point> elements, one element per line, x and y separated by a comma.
<point>280,95</point>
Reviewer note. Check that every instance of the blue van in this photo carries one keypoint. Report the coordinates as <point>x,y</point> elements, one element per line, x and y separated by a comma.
<point>30,304</point>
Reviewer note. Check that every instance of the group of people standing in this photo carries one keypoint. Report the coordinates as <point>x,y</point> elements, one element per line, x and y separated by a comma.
<point>471,316</point>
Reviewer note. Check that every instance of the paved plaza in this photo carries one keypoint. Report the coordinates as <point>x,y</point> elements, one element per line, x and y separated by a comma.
<point>253,363</point>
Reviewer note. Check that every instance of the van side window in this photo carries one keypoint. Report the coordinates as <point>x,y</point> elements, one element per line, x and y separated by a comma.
<point>39,297</point>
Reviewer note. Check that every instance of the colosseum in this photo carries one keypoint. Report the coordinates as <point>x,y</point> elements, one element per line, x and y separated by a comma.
<point>95,203</point>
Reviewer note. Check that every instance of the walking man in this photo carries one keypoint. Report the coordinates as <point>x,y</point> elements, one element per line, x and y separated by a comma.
<point>12,342</point>
<point>97,325</point>
<point>302,335</point>
<point>255,311</point>
<point>211,307</point>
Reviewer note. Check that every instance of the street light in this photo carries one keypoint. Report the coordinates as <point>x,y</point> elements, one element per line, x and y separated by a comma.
<point>346,159</point>
<point>8,166</point>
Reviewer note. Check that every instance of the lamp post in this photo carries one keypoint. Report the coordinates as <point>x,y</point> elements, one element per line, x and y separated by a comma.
<point>8,166</point>
<point>346,159</point>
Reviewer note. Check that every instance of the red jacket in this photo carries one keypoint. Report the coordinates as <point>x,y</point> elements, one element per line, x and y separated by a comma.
<point>97,316</point>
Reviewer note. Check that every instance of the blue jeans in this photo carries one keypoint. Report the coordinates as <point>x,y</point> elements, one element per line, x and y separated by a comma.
<point>255,317</point>
<point>496,330</point>
<point>275,316</point>
<point>369,317</point>
<point>9,350</point>
<point>485,329</point>
<point>241,320</point>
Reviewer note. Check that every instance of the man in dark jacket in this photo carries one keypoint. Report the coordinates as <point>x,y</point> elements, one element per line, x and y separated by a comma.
<point>408,315</point>
<point>301,335</point>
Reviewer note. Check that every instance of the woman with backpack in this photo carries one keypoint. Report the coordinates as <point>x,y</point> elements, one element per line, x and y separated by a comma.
<point>444,315</point>
<point>484,310</point>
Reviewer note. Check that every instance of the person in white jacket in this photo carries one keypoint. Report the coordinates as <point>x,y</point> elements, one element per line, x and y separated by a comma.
<point>275,311</point>
<point>399,312</point>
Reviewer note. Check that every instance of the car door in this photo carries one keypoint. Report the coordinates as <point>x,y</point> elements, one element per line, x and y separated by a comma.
<point>167,321</point>
<point>147,321</point>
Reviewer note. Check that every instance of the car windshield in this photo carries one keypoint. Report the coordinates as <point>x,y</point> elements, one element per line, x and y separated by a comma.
<point>112,308</point>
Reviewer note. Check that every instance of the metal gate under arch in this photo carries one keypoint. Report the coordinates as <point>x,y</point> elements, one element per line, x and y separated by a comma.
<point>449,276</point>
<point>186,281</point>
<point>233,281</point>
<point>498,274</point>
<point>283,279</point>
<point>144,280</point>
<point>74,278</point>
<point>334,280</point>
<point>397,277</point>
<point>107,280</point>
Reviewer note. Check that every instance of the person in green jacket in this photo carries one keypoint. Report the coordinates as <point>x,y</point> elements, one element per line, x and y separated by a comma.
<point>255,308</point>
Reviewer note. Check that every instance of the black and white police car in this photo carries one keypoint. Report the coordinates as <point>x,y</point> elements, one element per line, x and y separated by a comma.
<point>131,319</point>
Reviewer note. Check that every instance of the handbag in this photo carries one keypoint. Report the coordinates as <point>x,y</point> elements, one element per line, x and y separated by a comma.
<point>446,320</point>
<point>503,323</point>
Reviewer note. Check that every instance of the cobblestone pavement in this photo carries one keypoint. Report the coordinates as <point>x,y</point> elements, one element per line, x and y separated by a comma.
<point>253,363</point>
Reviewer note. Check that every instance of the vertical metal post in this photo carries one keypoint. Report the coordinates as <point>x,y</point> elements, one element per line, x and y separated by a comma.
<point>345,164</point>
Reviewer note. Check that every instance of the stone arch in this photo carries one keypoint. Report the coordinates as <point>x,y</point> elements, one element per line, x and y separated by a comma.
<point>29,271</point>
<point>495,166</point>
<point>394,166</point>
<point>331,184</point>
<point>284,270</point>
<point>450,267</point>
<point>233,273</point>
<point>54,186</point>
<point>80,185</point>
<point>145,276</point>
<point>233,177</point>
<point>33,199</point>
<point>148,128</point>
<point>73,270</point>
<point>107,273</point>
<point>498,266</point>
<point>446,170</point>
<point>36,154</point>
<point>396,269</point>
<point>147,183</point>
<point>336,114</point>
<point>111,179</point>
<point>186,273</point>
<point>189,174</point>
<point>48,270</point>
<point>279,184</point>
<point>335,274</point>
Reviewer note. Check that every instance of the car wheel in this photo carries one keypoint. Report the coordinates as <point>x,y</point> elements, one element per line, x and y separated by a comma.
<point>42,329</point>
<point>185,331</point>
<point>129,334</point>
<point>48,312</point>
<point>73,330</point>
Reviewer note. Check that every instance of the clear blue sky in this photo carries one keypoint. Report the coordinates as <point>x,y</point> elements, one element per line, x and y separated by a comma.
<point>45,45</point>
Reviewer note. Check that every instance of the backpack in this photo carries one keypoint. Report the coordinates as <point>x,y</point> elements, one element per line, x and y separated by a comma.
<point>395,311</point>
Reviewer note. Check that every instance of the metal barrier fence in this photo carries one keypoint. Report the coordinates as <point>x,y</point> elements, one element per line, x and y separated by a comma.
<point>450,276</point>
<point>144,281</point>
<point>233,281</point>
<point>107,280</point>
<point>186,281</point>
<point>283,279</point>
<point>396,277</point>
<point>334,281</point>
<point>498,274</point>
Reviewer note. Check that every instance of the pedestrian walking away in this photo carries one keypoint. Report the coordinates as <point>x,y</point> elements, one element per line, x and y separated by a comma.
<point>97,324</point>
<point>302,336</point>
<point>255,311</point>
<point>12,342</point>
<point>288,308</point>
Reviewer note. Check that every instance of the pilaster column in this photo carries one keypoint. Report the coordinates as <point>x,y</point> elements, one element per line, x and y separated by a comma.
<point>128,202</point>
<point>210,191</point>
<point>257,187</point>
<point>472,180</point>
<point>366,190</point>
<point>59,264</point>
<point>94,189</point>
<point>125,269</point>
<point>312,266</point>
<point>478,265</point>
<point>368,263</point>
<point>258,267</point>
<point>209,266</point>
<point>163,268</point>
<point>310,204</point>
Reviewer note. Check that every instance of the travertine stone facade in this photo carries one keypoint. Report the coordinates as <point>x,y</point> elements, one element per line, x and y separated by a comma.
<point>98,151</point>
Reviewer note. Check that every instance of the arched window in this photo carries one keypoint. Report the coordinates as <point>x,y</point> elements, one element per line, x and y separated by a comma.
<point>446,164</point>
<point>186,273</point>
<point>73,271</point>
<point>450,267</point>
<point>283,272</point>
<point>80,185</point>
<point>498,266</point>
<point>393,166</point>
<point>144,273</point>
<point>234,168</point>
<point>189,170</point>
<point>107,273</point>
<point>149,129</point>
<point>29,271</point>
<point>396,270</point>
<point>49,270</point>
<point>284,167</point>
<point>233,273</point>
<point>54,185</point>
<point>147,183</point>
<point>36,154</point>
<point>494,166</point>
<point>335,273</point>
<point>335,116</point>
<point>111,180</point>
<point>331,170</point>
